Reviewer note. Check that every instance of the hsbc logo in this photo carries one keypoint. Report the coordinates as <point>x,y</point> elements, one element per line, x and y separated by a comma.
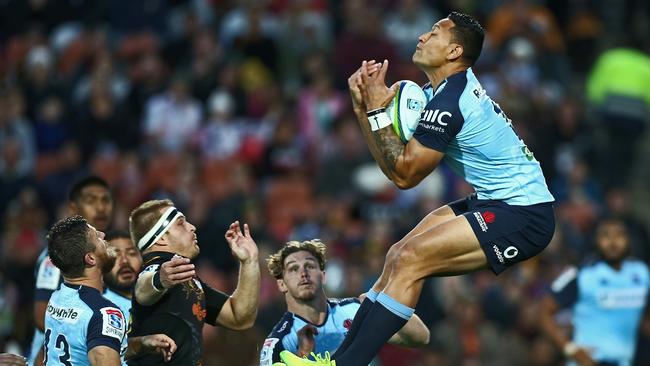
<point>435,116</point>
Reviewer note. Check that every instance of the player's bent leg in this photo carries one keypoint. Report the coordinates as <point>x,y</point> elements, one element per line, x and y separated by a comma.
<point>450,248</point>
<point>440,215</point>
<point>433,219</point>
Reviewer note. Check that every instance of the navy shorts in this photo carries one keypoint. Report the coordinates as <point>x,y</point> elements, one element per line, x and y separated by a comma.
<point>508,234</point>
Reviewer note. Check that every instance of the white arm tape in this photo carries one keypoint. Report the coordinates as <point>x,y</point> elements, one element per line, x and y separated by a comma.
<point>379,121</point>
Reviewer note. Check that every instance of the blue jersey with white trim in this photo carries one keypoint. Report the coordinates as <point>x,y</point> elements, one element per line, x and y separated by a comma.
<point>331,333</point>
<point>124,303</point>
<point>48,279</point>
<point>77,319</point>
<point>479,142</point>
<point>605,302</point>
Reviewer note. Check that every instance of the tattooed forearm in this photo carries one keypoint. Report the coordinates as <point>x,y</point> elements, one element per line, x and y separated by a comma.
<point>390,146</point>
<point>384,145</point>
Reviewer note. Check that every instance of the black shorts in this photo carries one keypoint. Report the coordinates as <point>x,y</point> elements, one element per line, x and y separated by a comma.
<point>508,234</point>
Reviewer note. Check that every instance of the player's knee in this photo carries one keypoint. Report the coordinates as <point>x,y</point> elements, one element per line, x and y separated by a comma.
<point>392,253</point>
<point>404,259</point>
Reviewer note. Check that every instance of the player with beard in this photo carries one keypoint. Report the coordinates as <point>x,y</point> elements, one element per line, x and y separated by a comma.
<point>81,326</point>
<point>90,198</point>
<point>169,298</point>
<point>607,296</point>
<point>121,279</point>
<point>119,284</point>
<point>313,322</point>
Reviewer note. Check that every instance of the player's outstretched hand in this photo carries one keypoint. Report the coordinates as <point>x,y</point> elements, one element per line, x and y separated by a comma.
<point>373,89</point>
<point>159,343</point>
<point>9,359</point>
<point>306,342</point>
<point>354,81</point>
<point>241,243</point>
<point>176,271</point>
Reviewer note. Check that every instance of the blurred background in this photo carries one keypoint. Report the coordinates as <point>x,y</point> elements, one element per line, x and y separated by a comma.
<point>239,110</point>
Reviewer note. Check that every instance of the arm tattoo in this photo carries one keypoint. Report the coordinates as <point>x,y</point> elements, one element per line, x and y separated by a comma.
<point>390,146</point>
<point>384,145</point>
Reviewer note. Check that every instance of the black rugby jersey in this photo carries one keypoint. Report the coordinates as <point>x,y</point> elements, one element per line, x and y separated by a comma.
<point>180,314</point>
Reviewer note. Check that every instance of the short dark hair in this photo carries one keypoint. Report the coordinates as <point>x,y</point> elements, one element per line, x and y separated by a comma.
<point>117,234</point>
<point>78,186</point>
<point>469,33</point>
<point>67,243</point>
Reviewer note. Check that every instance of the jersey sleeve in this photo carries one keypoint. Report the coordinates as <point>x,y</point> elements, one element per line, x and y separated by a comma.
<point>270,352</point>
<point>106,328</point>
<point>440,122</point>
<point>214,301</point>
<point>48,278</point>
<point>275,342</point>
<point>565,288</point>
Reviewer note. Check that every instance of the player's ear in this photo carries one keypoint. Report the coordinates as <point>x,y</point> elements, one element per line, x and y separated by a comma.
<point>163,241</point>
<point>454,51</point>
<point>282,286</point>
<point>90,259</point>
<point>324,278</point>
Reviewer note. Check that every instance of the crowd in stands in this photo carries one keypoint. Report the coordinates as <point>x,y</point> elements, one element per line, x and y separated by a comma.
<point>238,109</point>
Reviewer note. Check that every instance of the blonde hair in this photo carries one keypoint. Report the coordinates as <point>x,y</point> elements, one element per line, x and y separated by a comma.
<point>275,262</point>
<point>145,216</point>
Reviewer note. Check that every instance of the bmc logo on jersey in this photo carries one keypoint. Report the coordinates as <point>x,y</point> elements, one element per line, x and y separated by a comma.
<point>437,116</point>
<point>113,324</point>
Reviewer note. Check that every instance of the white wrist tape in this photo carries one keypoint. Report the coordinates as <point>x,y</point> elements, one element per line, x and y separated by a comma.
<point>379,121</point>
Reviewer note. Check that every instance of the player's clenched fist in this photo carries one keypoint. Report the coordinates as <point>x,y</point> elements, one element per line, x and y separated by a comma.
<point>176,271</point>
<point>354,82</point>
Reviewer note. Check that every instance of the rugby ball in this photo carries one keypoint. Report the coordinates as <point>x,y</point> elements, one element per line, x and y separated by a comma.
<point>405,108</point>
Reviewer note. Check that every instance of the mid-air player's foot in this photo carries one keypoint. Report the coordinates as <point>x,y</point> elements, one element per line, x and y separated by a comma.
<point>291,359</point>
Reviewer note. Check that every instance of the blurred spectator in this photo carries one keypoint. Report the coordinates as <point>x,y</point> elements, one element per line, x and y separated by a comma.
<point>40,82</point>
<point>104,125</point>
<point>404,25</point>
<point>319,104</point>
<point>617,88</point>
<point>222,135</point>
<point>172,117</point>
<point>51,127</point>
<point>16,138</point>
<point>237,21</point>
<point>286,153</point>
<point>360,40</point>
<point>303,31</point>
<point>468,340</point>
<point>206,63</point>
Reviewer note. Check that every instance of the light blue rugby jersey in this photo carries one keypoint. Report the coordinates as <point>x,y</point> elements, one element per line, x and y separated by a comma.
<point>479,142</point>
<point>124,303</point>
<point>331,333</point>
<point>607,306</point>
<point>77,319</point>
<point>48,278</point>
